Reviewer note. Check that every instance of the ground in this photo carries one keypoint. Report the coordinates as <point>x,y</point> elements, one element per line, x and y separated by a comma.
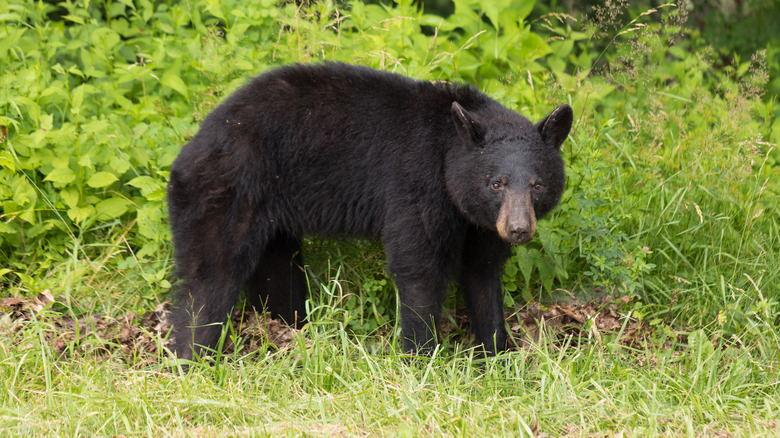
<point>137,336</point>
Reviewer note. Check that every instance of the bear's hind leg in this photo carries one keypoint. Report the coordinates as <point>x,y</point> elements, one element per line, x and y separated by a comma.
<point>215,256</point>
<point>202,308</point>
<point>278,283</point>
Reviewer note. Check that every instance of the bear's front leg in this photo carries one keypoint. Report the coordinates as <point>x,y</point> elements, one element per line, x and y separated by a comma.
<point>420,306</point>
<point>484,255</point>
<point>421,268</point>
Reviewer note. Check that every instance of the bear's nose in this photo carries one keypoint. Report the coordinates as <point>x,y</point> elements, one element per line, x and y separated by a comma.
<point>520,234</point>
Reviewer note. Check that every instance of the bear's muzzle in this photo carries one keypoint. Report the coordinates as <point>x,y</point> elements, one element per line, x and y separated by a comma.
<point>516,221</point>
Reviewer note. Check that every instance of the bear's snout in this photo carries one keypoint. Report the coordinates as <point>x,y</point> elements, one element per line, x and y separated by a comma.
<point>520,233</point>
<point>516,222</point>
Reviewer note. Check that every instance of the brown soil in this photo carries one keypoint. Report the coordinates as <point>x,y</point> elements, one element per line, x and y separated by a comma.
<point>138,337</point>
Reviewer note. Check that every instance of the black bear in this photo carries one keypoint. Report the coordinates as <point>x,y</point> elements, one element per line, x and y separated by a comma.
<point>446,177</point>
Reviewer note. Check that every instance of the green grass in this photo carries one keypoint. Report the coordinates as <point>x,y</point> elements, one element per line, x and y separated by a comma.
<point>671,203</point>
<point>329,384</point>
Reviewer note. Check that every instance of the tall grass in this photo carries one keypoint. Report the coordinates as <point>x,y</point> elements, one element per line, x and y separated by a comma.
<point>329,383</point>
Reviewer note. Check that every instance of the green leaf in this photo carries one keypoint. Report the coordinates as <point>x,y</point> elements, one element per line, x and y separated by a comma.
<point>80,214</point>
<point>85,161</point>
<point>215,9</point>
<point>77,99</point>
<point>74,18</point>
<point>55,93</point>
<point>61,176</point>
<point>101,179</point>
<point>70,197</point>
<point>174,82</point>
<point>491,9</point>
<point>23,192</point>
<point>95,126</point>
<point>243,64</point>
<point>523,8</point>
<point>47,122</point>
<point>147,10</point>
<point>112,208</point>
<point>157,195</point>
<point>119,164</point>
<point>146,183</point>
<point>9,39</point>
<point>7,160</point>
<point>150,222</point>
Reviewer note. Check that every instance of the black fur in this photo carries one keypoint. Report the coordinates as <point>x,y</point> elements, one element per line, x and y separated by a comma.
<point>340,150</point>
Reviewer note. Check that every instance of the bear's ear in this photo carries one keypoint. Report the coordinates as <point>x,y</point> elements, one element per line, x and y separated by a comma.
<point>469,129</point>
<point>556,126</point>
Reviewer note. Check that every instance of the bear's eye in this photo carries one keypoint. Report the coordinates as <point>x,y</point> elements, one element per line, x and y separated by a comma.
<point>538,187</point>
<point>499,183</point>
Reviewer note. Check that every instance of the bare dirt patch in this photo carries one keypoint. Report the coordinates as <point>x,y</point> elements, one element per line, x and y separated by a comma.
<point>593,319</point>
<point>140,337</point>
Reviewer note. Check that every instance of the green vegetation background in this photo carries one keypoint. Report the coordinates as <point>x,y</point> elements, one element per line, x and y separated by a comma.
<point>671,200</point>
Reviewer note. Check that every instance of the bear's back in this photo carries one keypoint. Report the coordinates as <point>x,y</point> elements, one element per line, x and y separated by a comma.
<point>335,146</point>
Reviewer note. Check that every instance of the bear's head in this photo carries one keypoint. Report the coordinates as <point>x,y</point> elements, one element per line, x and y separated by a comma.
<point>504,173</point>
